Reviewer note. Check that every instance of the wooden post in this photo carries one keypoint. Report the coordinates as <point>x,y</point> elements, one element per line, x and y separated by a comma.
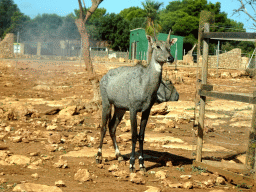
<point>39,45</point>
<point>250,154</point>
<point>202,98</point>
<point>218,55</point>
<point>127,56</point>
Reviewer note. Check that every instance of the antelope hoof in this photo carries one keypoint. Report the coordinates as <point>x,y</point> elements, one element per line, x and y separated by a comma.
<point>132,170</point>
<point>98,159</point>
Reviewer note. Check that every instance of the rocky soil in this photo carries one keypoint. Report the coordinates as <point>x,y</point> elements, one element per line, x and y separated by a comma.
<point>49,132</point>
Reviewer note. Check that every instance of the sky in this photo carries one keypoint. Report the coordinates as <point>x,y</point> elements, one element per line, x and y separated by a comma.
<point>64,7</point>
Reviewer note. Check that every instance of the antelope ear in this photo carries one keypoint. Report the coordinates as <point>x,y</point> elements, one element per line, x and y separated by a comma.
<point>173,41</point>
<point>150,39</point>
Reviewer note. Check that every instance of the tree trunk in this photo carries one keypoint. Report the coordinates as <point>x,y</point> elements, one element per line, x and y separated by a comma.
<point>93,78</point>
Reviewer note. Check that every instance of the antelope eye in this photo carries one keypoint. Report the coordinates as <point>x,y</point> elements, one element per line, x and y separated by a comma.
<point>158,47</point>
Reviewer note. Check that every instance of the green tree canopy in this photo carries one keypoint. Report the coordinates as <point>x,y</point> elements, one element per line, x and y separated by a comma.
<point>182,16</point>
<point>132,13</point>
<point>152,9</point>
<point>115,29</point>
<point>10,17</point>
<point>43,28</point>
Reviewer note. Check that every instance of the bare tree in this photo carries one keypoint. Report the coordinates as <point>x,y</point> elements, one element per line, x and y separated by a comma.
<point>81,25</point>
<point>243,8</point>
<point>252,15</point>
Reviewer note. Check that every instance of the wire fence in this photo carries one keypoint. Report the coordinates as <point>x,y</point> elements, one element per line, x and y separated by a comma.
<point>64,49</point>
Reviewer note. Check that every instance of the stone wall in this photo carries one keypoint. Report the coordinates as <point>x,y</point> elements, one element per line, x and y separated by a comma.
<point>229,60</point>
<point>6,46</point>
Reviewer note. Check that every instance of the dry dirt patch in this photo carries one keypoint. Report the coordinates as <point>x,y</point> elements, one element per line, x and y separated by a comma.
<point>48,130</point>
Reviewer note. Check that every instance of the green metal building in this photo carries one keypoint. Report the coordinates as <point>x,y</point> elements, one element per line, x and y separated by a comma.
<point>139,44</point>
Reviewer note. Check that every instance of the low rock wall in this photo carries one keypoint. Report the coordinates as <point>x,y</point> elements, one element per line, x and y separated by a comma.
<point>229,60</point>
<point>6,46</point>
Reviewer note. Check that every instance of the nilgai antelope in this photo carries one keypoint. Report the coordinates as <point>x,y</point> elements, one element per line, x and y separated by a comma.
<point>166,92</point>
<point>134,89</point>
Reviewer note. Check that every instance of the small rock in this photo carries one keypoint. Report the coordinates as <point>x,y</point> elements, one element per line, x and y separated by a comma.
<point>118,139</point>
<point>61,164</point>
<point>44,124</point>
<point>153,189</point>
<point>142,173</point>
<point>35,176</point>
<point>82,175</point>
<point>168,164</point>
<point>60,183</point>
<point>25,140</point>
<point>81,163</point>
<point>3,155</point>
<point>185,176</point>
<point>151,125</point>
<point>18,159</point>
<point>121,174</point>
<point>8,129</point>
<point>92,140</point>
<point>176,185</point>
<point>204,174</point>
<point>220,180</point>
<point>48,157</point>
<point>16,139</point>
<point>101,166</point>
<point>32,166</point>
<point>134,178</point>
<point>38,162</point>
<point>34,154</point>
<point>54,138</point>
<point>209,183</point>
<point>160,109</point>
<point>51,127</point>
<point>125,137</point>
<point>113,168</point>
<point>36,187</point>
<point>161,129</point>
<point>79,138</point>
<point>160,174</point>
<point>166,182</point>
<point>225,74</point>
<point>235,75</point>
<point>126,129</point>
<point>2,180</point>
<point>182,120</point>
<point>242,158</point>
<point>67,112</point>
<point>51,147</point>
<point>169,123</point>
<point>188,185</point>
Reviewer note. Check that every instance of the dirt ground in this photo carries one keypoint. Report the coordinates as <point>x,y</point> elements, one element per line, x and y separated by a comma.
<point>49,130</point>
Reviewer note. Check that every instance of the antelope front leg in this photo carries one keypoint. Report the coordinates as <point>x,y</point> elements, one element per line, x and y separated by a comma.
<point>144,120</point>
<point>133,118</point>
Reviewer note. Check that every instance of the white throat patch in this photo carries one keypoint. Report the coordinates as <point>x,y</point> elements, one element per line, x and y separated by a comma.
<point>157,67</point>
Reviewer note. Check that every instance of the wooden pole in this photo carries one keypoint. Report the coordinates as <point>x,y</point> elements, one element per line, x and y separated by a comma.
<point>250,154</point>
<point>202,98</point>
<point>218,54</point>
